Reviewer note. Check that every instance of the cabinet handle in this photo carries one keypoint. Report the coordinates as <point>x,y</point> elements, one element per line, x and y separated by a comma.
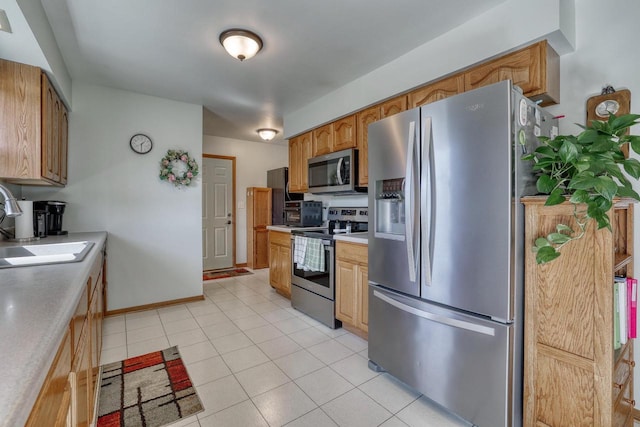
<point>631,402</point>
<point>631,363</point>
<point>618,386</point>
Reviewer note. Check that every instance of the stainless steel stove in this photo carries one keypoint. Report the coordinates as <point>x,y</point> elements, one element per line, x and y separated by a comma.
<point>313,291</point>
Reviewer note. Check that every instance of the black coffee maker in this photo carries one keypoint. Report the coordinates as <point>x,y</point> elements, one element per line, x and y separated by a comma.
<point>47,218</point>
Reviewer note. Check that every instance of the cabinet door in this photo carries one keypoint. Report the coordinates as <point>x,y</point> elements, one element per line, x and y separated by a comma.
<point>261,248</point>
<point>285,269</point>
<point>50,127</point>
<point>306,151</point>
<point>393,106</point>
<point>20,109</point>
<point>323,140</point>
<point>436,91</point>
<point>364,119</point>
<point>300,149</point>
<point>295,164</point>
<point>82,388</point>
<point>63,142</point>
<point>52,405</point>
<point>524,67</point>
<point>346,292</point>
<point>261,207</point>
<point>344,133</point>
<point>274,271</point>
<point>362,282</point>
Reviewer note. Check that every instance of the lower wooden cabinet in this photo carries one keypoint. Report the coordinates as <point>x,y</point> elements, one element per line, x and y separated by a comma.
<point>573,374</point>
<point>68,395</point>
<point>280,262</point>
<point>352,284</point>
<point>53,404</point>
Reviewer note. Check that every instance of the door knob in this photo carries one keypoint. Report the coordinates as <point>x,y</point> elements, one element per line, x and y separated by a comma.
<point>228,222</point>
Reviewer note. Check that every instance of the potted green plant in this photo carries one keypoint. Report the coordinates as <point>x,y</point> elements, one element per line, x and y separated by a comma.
<point>587,170</point>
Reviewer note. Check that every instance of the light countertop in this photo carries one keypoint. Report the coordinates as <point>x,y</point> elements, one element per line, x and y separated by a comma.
<point>289,229</point>
<point>36,306</point>
<point>359,237</point>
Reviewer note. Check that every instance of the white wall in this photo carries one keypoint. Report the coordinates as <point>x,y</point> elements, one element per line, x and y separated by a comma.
<point>253,160</point>
<point>155,230</point>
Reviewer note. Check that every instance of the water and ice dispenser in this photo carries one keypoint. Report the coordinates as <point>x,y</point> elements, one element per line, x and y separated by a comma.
<point>390,208</point>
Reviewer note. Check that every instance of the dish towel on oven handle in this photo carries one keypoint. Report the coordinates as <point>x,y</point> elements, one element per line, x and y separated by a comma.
<point>299,251</point>
<point>314,256</point>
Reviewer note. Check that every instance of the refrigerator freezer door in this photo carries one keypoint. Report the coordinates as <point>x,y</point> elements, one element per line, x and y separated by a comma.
<point>394,227</point>
<point>460,361</point>
<point>469,223</point>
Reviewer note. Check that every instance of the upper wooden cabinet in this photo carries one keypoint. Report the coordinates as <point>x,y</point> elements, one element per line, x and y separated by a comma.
<point>535,69</point>
<point>436,91</point>
<point>344,133</point>
<point>34,128</point>
<point>300,149</point>
<point>393,106</point>
<point>323,140</point>
<point>364,119</point>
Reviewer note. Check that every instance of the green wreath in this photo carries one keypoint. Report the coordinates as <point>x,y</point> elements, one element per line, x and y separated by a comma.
<point>178,168</point>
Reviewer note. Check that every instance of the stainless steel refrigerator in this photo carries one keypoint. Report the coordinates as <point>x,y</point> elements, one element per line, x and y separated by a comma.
<point>446,232</point>
<point>278,181</point>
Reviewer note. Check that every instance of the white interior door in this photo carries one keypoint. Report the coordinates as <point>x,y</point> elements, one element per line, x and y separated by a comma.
<point>217,213</point>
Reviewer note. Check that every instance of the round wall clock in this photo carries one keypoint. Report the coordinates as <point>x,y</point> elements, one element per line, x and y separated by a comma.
<point>611,101</point>
<point>600,106</point>
<point>141,143</point>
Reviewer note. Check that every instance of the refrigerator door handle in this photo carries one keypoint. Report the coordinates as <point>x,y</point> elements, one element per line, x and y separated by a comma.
<point>339,171</point>
<point>409,202</point>
<point>426,191</point>
<point>444,320</point>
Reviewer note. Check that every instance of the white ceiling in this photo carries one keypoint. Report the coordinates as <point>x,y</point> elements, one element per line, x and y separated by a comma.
<point>170,49</point>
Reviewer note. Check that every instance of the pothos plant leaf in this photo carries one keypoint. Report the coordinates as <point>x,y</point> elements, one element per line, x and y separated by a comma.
<point>587,170</point>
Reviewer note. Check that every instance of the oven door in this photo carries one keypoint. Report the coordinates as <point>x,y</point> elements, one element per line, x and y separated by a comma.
<point>318,282</point>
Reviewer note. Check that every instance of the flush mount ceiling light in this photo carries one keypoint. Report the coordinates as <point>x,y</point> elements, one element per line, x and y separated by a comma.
<point>267,134</point>
<point>241,44</point>
<point>4,22</point>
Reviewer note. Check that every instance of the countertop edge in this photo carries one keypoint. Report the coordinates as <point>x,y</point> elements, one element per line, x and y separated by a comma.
<point>361,238</point>
<point>17,409</point>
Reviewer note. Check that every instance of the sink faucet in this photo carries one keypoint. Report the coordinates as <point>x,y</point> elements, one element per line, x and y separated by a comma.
<point>11,207</point>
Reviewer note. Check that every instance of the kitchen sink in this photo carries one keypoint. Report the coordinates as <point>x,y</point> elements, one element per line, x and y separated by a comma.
<point>54,253</point>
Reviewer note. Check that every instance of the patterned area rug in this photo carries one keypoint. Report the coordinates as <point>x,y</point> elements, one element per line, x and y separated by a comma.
<point>221,274</point>
<point>151,390</point>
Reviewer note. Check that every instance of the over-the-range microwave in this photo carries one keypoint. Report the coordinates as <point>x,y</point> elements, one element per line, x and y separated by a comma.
<point>335,173</point>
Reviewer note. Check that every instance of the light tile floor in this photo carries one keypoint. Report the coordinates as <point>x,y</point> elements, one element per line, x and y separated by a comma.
<point>255,361</point>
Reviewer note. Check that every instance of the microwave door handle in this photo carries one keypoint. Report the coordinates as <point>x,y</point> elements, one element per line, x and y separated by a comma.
<point>426,193</point>
<point>409,202</point>
<point>340,179</point>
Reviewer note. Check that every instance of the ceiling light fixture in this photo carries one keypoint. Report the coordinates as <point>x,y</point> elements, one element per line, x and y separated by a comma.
<point>267,134</point>
<point>4,22</point>
<point>241,44</point>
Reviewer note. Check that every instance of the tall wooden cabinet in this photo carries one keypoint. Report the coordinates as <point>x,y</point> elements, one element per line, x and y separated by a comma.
<point>258,217</point>
<point>572,375</point>
<point>34,127</point>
